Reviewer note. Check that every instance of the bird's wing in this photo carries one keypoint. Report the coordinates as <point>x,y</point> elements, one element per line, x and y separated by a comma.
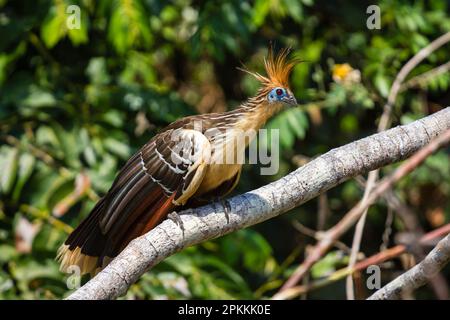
<point>166,172</point>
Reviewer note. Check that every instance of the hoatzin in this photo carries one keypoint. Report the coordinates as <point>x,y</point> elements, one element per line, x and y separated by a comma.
<point>175,168</point>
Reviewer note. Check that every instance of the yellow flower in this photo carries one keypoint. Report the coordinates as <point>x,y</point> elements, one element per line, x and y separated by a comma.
<point>344,73</point>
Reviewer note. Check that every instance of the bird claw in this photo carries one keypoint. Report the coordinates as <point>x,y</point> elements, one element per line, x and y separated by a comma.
<point>226,208</point>
<point>175,217</point>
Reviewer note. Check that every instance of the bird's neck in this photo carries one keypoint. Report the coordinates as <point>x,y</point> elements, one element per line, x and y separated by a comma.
<point>239,127</point>
<point>255,113</point>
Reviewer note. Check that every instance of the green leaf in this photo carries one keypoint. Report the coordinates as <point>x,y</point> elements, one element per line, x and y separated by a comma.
<point>26,165</point>
<point>260,11</point>
<point>349,123</point>
<point>181,263</point>
<point>327,265</point>
<point>114,118</point>
<point>8,59</point>
<point>97,71</point>
<point>256,250</point>
<point>382,84</point>
<point>286,135</point>
<point>9,169</point>
<point>31,270</point>
<point>291,123</point>
<point>295,9</point>
<point>7,253</point>
<point>226,270</point>
<point>409,117</point>
<point>79,35</point>
<point>117,147</point>
<point>47,240</point>
<point>39,97</point>
<point>54,26</point>
<point>68,144</point>
<point>298,121</point>
<point>336,97</point>
<point>128,26</point>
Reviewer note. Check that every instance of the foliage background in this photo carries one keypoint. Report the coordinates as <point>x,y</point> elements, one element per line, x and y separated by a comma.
<point>75,104</point>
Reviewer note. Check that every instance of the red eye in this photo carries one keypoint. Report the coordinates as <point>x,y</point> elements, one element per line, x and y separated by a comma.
<point>279,92</point>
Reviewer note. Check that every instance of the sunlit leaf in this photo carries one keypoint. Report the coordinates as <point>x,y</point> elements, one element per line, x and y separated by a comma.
<point>26,166</point>
<point>8,168</point>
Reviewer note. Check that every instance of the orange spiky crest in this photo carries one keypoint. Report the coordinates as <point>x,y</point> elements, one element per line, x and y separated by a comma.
<point>278,69</point>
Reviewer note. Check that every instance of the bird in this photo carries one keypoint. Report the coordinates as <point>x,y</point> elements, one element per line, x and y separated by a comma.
<point>180,166</point>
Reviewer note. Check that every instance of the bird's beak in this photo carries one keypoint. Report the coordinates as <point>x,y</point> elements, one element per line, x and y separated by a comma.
<point>290,100</point>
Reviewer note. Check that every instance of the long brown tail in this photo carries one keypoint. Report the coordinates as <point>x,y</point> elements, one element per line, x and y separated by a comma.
<point>85,244</point>
<point>91,250</point>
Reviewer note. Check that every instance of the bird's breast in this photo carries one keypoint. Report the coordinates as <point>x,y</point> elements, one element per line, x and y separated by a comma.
<point>216,174</point>
<point>227,158</point>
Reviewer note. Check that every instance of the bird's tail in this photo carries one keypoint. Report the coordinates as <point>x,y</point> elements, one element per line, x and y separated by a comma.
<point>90,249</point>
<point>85,245</point>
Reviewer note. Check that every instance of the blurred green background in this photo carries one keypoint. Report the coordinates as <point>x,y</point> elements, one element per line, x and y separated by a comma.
<point>75,104</point>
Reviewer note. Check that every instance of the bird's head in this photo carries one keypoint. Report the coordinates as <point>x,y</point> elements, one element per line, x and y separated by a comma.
<point>275,89</point>
<point>281,95</point>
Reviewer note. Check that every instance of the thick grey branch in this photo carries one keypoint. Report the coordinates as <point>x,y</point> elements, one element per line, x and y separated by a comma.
<point>253,207</point>
<point>418,275</point>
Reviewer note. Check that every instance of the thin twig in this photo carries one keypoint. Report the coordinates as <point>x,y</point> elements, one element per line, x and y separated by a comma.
<point>371,181</point>
<point>425,77</point>
<point>387,229</point>
<point>383,125</point>
<point>323,211</point>
<point>376,259</point>
<point>406,69</point>
<point>412,226</point>
<point>418,275</point>
<point>318,235</point>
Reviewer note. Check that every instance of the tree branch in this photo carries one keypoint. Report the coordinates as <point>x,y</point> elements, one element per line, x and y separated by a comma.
<point>376,259</point>
<point>425,77</point>
<point>419,274</point>
<point>350,218</point>
<point>406,69</point>
<point>383,125</point>
<point>305,183</point>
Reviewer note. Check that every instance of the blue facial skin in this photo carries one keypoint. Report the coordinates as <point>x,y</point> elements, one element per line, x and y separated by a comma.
<point>281,95</point>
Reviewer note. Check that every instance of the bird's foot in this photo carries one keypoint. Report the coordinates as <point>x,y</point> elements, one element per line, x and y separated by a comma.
<point>175,217</point>
<point>226,208</point>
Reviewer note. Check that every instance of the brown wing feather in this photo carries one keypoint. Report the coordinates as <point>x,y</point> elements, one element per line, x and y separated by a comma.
<point>166,172</point>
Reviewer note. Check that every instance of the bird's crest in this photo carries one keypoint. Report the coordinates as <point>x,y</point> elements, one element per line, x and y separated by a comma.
<point>278,68</point>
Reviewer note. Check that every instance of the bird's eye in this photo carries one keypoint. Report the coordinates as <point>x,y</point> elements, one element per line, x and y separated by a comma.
<point>279,92</point>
